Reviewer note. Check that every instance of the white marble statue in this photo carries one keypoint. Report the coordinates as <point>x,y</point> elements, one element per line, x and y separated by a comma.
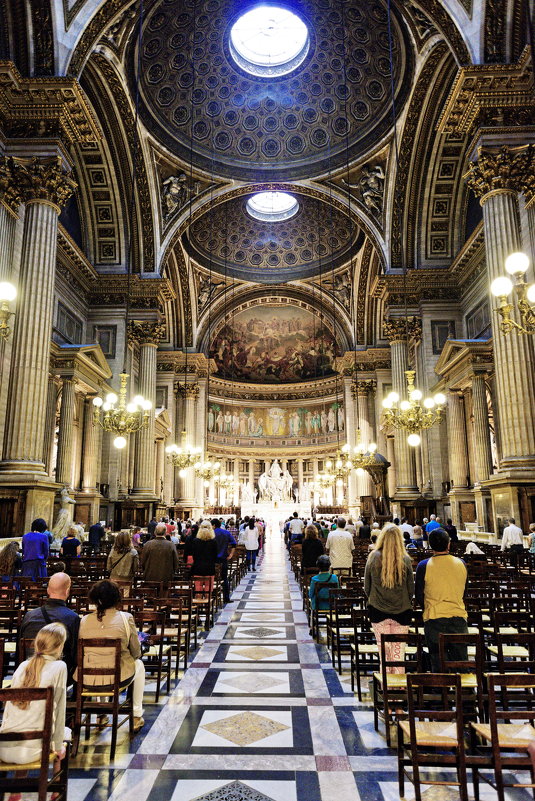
<point>64,519</point>
<point>275,484</point>
<point>247,492</point>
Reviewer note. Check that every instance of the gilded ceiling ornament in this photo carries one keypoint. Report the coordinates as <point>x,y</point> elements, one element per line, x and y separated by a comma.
<point>9,189</point>
<point>399,329</point>
<point>43,179</point>
<point>371,186</point>
<point>188,391</point>
<point>146,332</point>
<point>501,170</point>
<point>363,388</point>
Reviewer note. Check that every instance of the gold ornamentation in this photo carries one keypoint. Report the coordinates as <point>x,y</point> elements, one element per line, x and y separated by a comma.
<point>363,388</point>
<point>412,415</point>
<point>146,332</point>
<point>501,170</point>
<point>43,179</point>
<point>188,391</point>
<point>401,329</point>
<point>9,190</point>
<point>118,417</point>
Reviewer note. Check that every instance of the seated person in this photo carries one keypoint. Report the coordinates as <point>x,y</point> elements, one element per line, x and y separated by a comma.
<point>108,622</point>
<point>320,599</point>
<point>43,669</point>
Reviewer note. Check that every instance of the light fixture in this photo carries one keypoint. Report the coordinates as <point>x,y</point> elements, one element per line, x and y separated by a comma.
<point>413,415</point>
<point>183,456</point>
<point>8,293</point>
<point>225,480</point>
<point>115,415</point>
<point>207,470</point>
<point>516,264</point>
<point>362,456</point>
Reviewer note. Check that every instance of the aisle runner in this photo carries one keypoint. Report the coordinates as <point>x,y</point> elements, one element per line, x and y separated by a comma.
<point>259,716</point>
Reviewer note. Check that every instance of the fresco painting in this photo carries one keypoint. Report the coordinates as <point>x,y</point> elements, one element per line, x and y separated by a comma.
<point>273,344</point>
<point>275,421</point>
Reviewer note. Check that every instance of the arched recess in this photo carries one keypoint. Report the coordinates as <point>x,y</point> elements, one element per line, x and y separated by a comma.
<point>245,296</point>
<point>179,312</point>
<point>106,92</point>
<point>403,199</point>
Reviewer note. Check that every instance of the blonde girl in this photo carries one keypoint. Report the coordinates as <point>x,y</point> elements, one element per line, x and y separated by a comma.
<point>389,587</point>
<point>43,669</point>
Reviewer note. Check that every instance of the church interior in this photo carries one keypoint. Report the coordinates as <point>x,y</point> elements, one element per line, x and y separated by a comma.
<point>259,258</point>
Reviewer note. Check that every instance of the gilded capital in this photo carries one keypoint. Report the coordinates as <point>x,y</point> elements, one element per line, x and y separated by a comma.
<point>188,391</point>
<point>146,332</point>
<point>43,179</point>
<point>502,170</point>
<point>401,329</point>
<point>9,190</point>
<point>363,388</point>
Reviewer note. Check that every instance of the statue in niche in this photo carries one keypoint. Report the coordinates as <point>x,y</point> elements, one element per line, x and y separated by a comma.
<point>207,288</point>
<point>371,185</point>
<point>341,287</point>
<point>176,192</point>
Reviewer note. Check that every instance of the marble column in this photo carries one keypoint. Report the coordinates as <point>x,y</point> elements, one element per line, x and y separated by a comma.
<point>50,424</point>
<point>236,476</point>
<point>406,486</point>
<point>315,493</point>
<point>482,447</point>
<point>300,477</point>
<point>66,433</point>
<point>392,473</point>
<point>458,455</point>
<point>10,200</point>
<point>200,436</point>
<point>91,443</point>
<point>353,495</point>
<point>148,334</point>
<point>160,469</point>
<point>496,177</point>
<point>44,187</point>
<point>363,389</point>
<point>188,482</point>
<point>251,473</point>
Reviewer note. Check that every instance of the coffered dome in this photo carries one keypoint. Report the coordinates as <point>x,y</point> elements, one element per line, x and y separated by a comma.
<point>229,238</point>
<point>270,126</point>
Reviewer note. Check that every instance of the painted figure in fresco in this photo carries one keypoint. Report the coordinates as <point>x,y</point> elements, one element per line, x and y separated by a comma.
<point>323,419</point>
<point>235,422</point>
<point>219,422</point>
<point>277,421</point>
<point>331,421</point>
<point>340,415</point>
<point>308,423</point>
<point>211,418</point>
<point>251,424</point>
<point>228,422</point>
<point>243,424</point>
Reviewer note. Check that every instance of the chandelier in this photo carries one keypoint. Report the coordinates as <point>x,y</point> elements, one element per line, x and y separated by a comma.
<point>335,472</point>
<point>183,456</point>
<point>207,470</point>
<point>363,456</point>
<point>225,481</point>
<point>516,265</point>
<point>118,417</point>
<point>413,415</point>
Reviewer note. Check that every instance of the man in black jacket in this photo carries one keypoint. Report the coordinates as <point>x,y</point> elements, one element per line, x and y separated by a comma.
<point>95,536</point>
<point>55,610</point>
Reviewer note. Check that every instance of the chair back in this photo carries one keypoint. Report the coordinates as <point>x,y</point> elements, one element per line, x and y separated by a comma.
<point>412,661</point>
<point>111,651</point>
<point>422,711</point>
<point>44,733</point>
<point>516,652</point>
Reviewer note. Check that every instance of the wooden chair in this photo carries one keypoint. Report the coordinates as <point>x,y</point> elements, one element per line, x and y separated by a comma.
<point>44,782</point>
<point>177,631</point>
<point>514,653</point>
<point>315,613</point>
<point>432,737</point>
<point>159,656</point>
<point>203,598</point>
<point>364,649</point>
<point>390,689</point>
<point>89,697</point>
<point>470,670</point>
<point>339,623</point>
<point>505,739</point>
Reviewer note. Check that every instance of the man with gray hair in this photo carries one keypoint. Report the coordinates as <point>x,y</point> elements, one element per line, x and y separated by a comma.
<point>159,558</point>
<point>340,545</point>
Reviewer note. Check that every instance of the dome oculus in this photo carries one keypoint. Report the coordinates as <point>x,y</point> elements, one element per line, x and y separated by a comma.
<point>269,40</point>
<point>272,206</point>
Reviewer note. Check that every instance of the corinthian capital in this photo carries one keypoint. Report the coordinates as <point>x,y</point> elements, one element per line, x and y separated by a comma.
<point>9,191</point>
<point>146,333</point>
<point>498,171</point>
<point>400,329</point>
<point>43,179</point>
<point>188,391</point>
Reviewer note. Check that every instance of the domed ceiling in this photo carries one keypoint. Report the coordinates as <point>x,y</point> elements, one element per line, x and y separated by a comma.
<point>278,127</point>
<point>228,238</point>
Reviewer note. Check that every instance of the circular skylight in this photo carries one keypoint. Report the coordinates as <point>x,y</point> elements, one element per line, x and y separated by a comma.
<point>272,206</point>
<point>269,40</point>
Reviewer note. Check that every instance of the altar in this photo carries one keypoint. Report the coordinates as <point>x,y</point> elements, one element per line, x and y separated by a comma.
<point>275,513</point>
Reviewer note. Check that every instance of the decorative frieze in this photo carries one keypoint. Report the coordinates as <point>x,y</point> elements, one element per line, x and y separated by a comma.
<point>10,193</point>
<point>146,332</point>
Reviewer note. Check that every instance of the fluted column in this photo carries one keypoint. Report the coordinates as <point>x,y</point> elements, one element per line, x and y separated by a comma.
<point>482,448</point>
<point>50,424</point>
<point>406,485</point>
<point>10,200</point>
<point>251,473</point>
<point>392,472</point>
<point>353,496</point>
<point>148,334</point>
<point>363,390</point>
<point>200,435</point>
<point>160,469</point>
<point>458,454</point>
<point>44,187</point>
<point>496,177</point>
<point>300,480</point>
<point>236,476</point>
<point>66,433</point>
<point>190,392</point>
<point>91,443</point>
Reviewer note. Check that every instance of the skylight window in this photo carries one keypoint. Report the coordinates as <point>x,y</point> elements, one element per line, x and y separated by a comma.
<point>269,40</point>
<point>272,206</point>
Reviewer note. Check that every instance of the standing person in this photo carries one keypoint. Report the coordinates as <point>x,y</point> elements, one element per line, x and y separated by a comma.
<point>251,538</point>
<point>296,528</point>
<point>513,539</point>
<point>417,536</point>
<point>109,623</point>
<point>312,548</point>
<point>389,588</point>
<point>452,532</point>
<point>95,536</point>
<point>440,586</point>
<point>406,526</point>
<point>159,558</point>
<point>226,545</point>
<point>204,551</point>
<point>340,545</point>
<point>151,526</point>
<point>43,669</point>
<point>71,545</point>
<point>55,610</point>
<point>10,561</point>
<point>365,530</point>
<point>531,539</point>
<point>429,527</point>
<point>35,550</point>
<point>319,599</point>
<point>191,533</point>
<point>350,526</point>
<point>123,561</point>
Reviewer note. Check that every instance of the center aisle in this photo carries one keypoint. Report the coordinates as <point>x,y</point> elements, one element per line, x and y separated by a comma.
<point>260,715</point>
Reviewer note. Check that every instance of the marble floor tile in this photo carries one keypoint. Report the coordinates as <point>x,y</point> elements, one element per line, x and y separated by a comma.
<point>257,653</point>
<point>256,683</point>
<point>244,729</point>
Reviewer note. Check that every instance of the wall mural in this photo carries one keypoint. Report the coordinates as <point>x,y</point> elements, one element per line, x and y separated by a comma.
<point>275,421</point>
<point>273,344</point>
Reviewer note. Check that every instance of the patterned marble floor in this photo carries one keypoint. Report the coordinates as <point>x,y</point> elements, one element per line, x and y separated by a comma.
<point>260,715</point>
